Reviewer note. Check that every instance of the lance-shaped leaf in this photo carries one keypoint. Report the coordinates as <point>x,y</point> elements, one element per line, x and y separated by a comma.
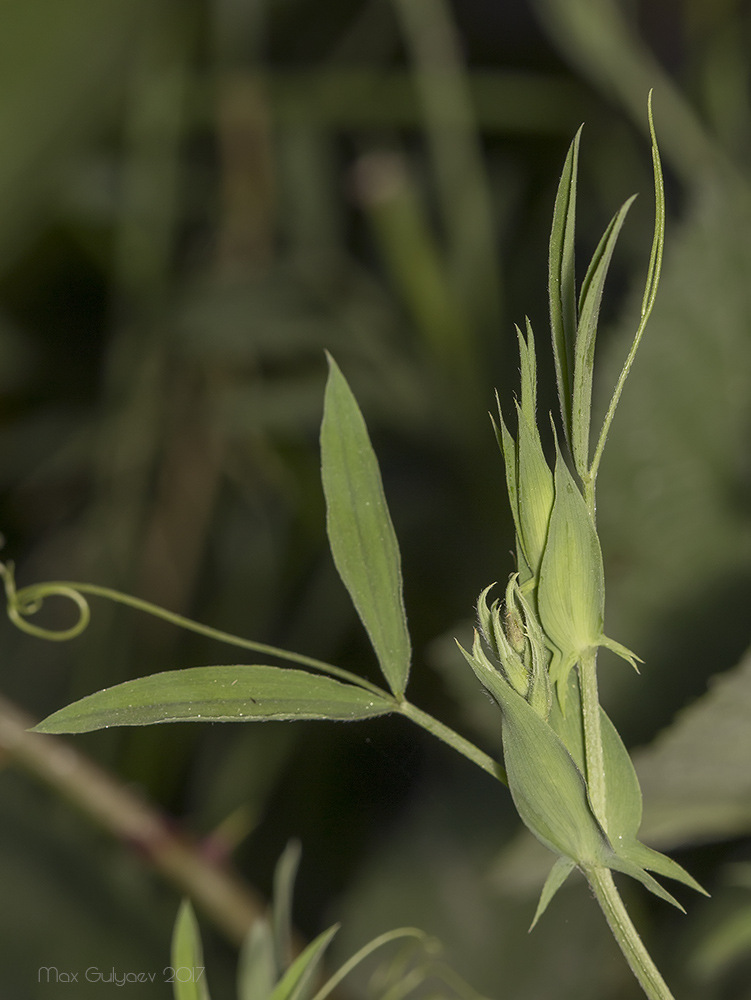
<point>217,694</point>
<point>561,282</point>
<point>571,592</point>
<point>586,333</point>
<point>362,537</point>
<point>187,953</point>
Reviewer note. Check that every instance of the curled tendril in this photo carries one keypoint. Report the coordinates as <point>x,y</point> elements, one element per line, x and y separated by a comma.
<point>21,604</point>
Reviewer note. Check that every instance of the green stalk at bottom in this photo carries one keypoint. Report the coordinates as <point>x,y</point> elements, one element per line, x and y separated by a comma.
<point>627,936</point>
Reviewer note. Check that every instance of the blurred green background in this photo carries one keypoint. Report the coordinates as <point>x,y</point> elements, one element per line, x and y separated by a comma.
<point>197,198</point>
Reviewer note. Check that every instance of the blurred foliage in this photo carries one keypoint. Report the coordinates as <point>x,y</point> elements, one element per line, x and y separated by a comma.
<point>196,199</point>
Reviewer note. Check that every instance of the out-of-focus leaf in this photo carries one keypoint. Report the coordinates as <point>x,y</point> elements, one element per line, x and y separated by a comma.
<point>256,972</point>
<point>695,777</point>
<point>187,957</point>
<point>284,884</point>
<point>298,977</point>
<point>217,694</point>
<point>61,67</point>
<point>362,537</point>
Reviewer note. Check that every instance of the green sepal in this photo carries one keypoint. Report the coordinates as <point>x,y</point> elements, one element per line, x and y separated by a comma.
<point>661,864</point>
<point>623,799</point>
<point>485,617</point>
<point>528,371</point>
<point>508,449</point>
<point>623,651</point>
<point>535,490</point>
<point>571,591</point>
<point>621,863</point>
<point>539,694</point>
<point>557,876</point>
<point>547,787</point>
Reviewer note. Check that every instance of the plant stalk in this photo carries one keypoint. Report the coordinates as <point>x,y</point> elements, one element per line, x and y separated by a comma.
<point>627,936</point>
<point>593,752</point>
<point>454,740</point>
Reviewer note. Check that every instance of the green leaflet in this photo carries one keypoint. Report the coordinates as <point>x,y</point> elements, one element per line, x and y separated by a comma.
<point>584,353</point>
<point>561,281</point>
<point>547,787</point>
<point>361,535</point>
<point>571,592</point>
<point>298,977</point>
<point>187,954</point>
<point>256,972</point>
<point>217,694</point>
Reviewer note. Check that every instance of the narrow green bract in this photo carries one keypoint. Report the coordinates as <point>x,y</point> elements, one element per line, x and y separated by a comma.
<point>361,535</point>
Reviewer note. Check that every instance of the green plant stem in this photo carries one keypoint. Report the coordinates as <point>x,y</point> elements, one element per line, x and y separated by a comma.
<point>454,740</point>
<point>593,752</point>
<point>627,936</point>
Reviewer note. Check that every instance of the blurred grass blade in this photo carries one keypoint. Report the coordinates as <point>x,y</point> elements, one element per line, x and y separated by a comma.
<point>725,943</point>
<point>562,282</point>
<point>217,694</point>
<point>416,264</point>
<point>590,300</point>
<point>361,535</point>
<point>256,973</point>
<point>285,874</point>
<point>297,979</point>
<point>463,191</point>
<point>187,957</point>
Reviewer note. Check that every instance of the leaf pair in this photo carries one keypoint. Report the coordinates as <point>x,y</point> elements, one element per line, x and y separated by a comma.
<point>574,324</point>
<point>366,553</point>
